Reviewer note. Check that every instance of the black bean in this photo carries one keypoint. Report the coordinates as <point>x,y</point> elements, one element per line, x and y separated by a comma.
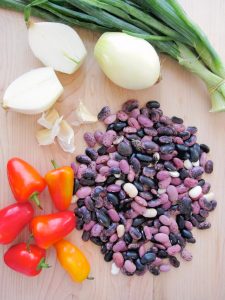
<point>135,163</point>
<point>197,148</point>
<point>209,167</point>
<point>103,249</point>
<point>181,148</point>
<point>169,166</point>
<point>75,186</point>
<point>135,233</point>
<point>79,224</point>
<point>80,203</point>
<point>127,238</point>
<point>184,174</point>
<point>147,181</point>
<point>102,150</point>
<point>162,253</point>
<point>108,255</point>
<point>192,129</point>
<point>194,155</point>
<point>83,159</point>
<point>141,133</point>
<point>130,254</point>
<point>184,135</point>
<point>139,186</point>
<point>152,104</point>
<point>180,221</point>
<point>110,127</point>
<point>173,238</point>
<point>119,126</point>
<point>183,155</point>
<point>186,234</point>
<point>124,149</point>
<point>129,105</point>
<point>160,211</point>
<point>154,270</point>
<point>104,113</point>
<point>111,229</point>
<point>96,240</point>
<point>168,148</point>
<point>138,221</point>
<point>174,261</point>
<point>144,157</point>
<point>103,219</point>
<point>204,148</point>
<point>177,120</point>
<point>199,218</point>
<point>92,153</point>
<point>192,139</point>
<point>191,240</point>
<point>165,131</point>
<point>201,182</point>
<point>184,206</point>
<point>112,198</point>
<point>86,235</point>
<point>148,257</point>
<point>139,265</point>
<point>87,182</point>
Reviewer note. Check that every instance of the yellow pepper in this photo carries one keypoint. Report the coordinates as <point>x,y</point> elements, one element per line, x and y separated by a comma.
<point>72,260</point>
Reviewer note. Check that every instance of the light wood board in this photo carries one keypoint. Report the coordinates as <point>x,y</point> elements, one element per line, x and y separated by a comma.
<point>179,93</point>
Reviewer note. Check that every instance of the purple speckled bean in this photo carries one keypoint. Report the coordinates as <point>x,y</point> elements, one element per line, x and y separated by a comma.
<point>124,166</point>
<point>165,220</point>
<point>154,203</point>
<point>178,140</point>
<point>179,164</point>
<point>128,224</point>
<point>165,268</point>
<point>147,232</point>
<point>172,193</point>
<point>113,163</point>
<point>138,208</point>
<point>80,171</point>
<point>190,182</point>
<point>186,255</point>
<point>195,207</point>
<point>129,266</point>
<point>160,246</point>
<point>96,230</point>
<point>203,159</point>
<point>135,113</point>
<point>164,198</point>
<point>99,136</point>
<point>88,226</point>
<point>110,119</point>
<point>163,184</point>
<point>174,249</point>
<point>157,262</point>
<point>164,229</point>
<point>83,192</point>
<point>173,226</point>
<point>188,225</point>
<point>161,237</point>
<point>146,139</point>
<point>109,246</point>
<point>111,149</point>
<point>74,167</point>
<point>104,170</point>
<point>181,189</point>
<point>167,205</point>
<point>113,238</point>
<point>108,138</point>
<point>144,121</point>
<point>113,188</point>
<point>141,250</point>
<point>100,178</point>
<point>120,246</point>
<point>90,139</point>
<point>206,188</point>
<point>129,129</point>
<point>134,123</point>
<point>131,175</point>
<point>176,181</point>
<point>181,196</point>
<point>122,116</point>
<point>118,259</point>
<point>153,230</point>
<point>179,127</point>
<point>141,201</point>
<point>161,175</point>
<point>113,214</point>
<point>166,156</point>
<point>102,159</point>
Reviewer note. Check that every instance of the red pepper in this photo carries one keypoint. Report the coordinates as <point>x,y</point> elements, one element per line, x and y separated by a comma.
<point>26,260</point>
<point>60,183</point>
<point>13,219</point>
<point>49,229</point>
<point>25,182</point>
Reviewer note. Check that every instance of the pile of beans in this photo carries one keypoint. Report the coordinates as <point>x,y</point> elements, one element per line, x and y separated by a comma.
<point>141,192</point>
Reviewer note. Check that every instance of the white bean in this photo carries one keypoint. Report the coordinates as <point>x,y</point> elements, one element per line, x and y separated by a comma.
<point>130,189</point>
<point>195,192</point>
<point>174,174</point>
<point>195,163</point>
<point>187,164</point>
<point>150,213</point>
<point>120,230</point>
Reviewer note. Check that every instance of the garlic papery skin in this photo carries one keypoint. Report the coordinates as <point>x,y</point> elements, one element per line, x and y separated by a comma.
<point>57,45</point>
<point>83,116</point>
<point>33,92</point>
<point>65,137</point>
<point>48,118</point>
<point>47,136</point>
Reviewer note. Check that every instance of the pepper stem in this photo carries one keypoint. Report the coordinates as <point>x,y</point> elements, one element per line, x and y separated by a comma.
<point>55,166</point>
<point>34,197</point>
<point>42,264</point>
<point>90,278</point>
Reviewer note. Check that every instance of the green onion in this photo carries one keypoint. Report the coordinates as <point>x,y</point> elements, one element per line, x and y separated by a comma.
<point>162,22</point>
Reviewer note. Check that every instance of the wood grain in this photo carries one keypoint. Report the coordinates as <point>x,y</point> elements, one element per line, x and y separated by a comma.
<point>180,94</point>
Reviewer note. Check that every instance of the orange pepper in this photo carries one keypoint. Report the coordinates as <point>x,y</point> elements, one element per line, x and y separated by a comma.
<point>72,260</point>
<point>60,183</point>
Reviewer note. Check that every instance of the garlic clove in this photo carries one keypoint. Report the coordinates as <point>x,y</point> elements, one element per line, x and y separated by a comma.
<point>34,92</point>
<point>65,137</point>
<point>47,136</point>
<point>48,118</point>
<point>57,45</point>
<point>83,115</point>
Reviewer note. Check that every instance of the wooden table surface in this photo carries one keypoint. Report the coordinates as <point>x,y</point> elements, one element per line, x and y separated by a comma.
<point>180,94</point>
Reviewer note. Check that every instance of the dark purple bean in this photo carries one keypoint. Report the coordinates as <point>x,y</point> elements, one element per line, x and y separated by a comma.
<point>75,186</point>
<point>154,270</point>
<point>144,158</point>
<point>135,163</point>
<point>129,105</point>
<point>177,120</point>
<point>135,233</point>
<point>204,148</point>
<point>83,159</point>
<point>147,181</point>
<point>92,153</point>
<point>174,261</point>
<point>104,113</point>
<point>124,149</point>
<point>148,257</point>
<point>165,139</point>
<point>97,241</point>
<point>108,256</point>
<point>103,218</point>
<point>110,230</point>
<point>192,129</point>
<point>209,167</point>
